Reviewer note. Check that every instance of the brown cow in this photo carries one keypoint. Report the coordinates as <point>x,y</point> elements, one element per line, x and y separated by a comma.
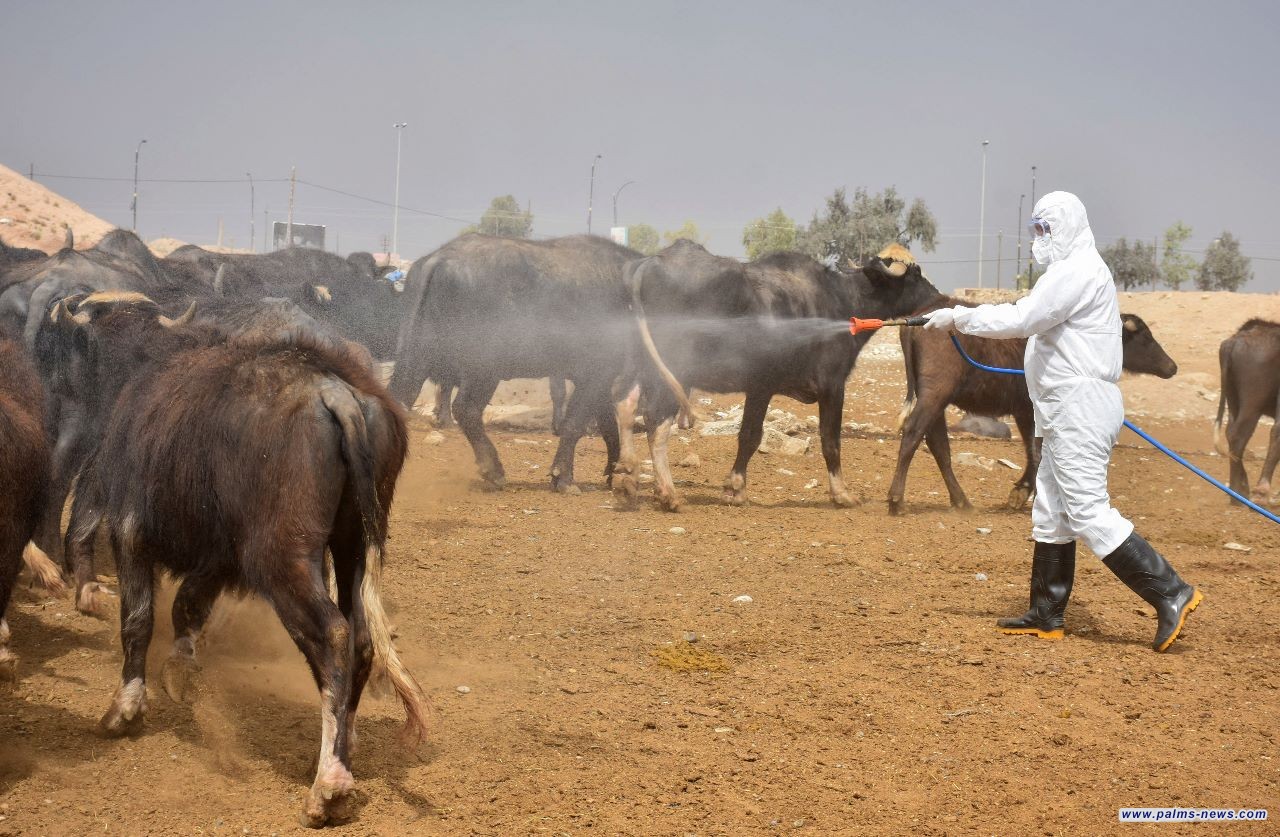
<point>938,376</point>
<point>1250,365</point>
<point>234,465</point>
<point>24,478</point>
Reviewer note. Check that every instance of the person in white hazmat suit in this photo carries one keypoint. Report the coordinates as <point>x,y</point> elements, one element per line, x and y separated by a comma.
<point>1072,321</point>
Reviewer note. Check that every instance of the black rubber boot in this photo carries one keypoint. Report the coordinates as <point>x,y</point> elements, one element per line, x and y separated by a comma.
<point>1147,573</point>
<point>1053,570</point>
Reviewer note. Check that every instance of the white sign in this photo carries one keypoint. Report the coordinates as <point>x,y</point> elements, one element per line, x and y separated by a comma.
<point>620,235</point>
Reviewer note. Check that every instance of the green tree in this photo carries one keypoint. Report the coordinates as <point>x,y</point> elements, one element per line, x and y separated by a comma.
<point>1177,268</point>
<point>688,230</point>
<point>1224,267</point>
<point>504,218</point>
<point>865,226</point>
<point>772,234</point>
<point>1132,265</point>
<point>643,238</point>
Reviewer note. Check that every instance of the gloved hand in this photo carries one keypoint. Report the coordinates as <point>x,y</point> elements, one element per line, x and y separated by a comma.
<point>942,318</point>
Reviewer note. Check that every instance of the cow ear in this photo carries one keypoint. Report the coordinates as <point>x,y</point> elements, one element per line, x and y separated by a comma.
<point>1130,325</point>
<point>319,294</point>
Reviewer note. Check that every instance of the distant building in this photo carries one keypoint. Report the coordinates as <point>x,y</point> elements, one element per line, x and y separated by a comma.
<point>304,235</point>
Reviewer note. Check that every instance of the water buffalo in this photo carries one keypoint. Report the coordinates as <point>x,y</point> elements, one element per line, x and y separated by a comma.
<point>10,256</point>
<point>938,376</point>
<point>234,465</point>
<point>1249,361</point>
<point>778,325</point>
<point>484,309</point>
<point>24,466</point>
<point>362,307</point>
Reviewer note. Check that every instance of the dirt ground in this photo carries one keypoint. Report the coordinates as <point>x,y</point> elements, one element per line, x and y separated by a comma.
<point>862,690</point>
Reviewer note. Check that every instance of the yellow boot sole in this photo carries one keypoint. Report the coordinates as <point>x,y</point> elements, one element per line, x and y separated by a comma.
<point>1186,611</point>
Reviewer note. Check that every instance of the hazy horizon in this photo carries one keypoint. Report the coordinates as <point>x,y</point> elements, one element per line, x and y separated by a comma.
<point>719,112</point>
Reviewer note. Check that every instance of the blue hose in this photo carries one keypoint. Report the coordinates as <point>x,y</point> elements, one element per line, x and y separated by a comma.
<point>1154,443</point>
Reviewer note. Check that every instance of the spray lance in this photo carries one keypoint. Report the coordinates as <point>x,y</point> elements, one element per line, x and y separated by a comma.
<point>857,326</point>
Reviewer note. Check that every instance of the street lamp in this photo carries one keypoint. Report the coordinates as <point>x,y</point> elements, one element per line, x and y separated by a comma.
<point>252,231</point>
<point>982,211</point>
<point>591,196</point>
<point>136,152</point>
<point>395,213</point>
<point>615,200</point>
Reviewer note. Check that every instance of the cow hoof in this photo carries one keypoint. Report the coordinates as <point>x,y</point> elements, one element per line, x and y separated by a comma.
<point>569,488</point>
<point>116,723</point>
<point>331,797</point>
<point>735,498</point>
<point>963,507</point>
<point>626,490</point>
<point>496,479</point>
<point>844,500</point>
<point>669,502</point>
<point>8,668</point>
<point>178,677</point>
<point>94,599</point>
<point>1018,497</point>
<point>896,508</point>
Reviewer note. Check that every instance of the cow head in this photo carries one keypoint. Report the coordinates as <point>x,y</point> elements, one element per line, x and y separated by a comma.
<point>894,261</point>
<point>90,344</point>
<point>1142,353</point>
<point>897,280</point>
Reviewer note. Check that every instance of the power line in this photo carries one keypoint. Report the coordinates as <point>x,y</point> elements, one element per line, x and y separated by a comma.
<point>160,179</point>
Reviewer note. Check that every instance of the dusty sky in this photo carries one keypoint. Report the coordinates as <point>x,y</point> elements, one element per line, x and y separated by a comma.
<point>1150,111</point>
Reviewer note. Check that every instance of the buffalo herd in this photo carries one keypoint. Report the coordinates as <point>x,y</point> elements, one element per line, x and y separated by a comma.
<point>221,417</point>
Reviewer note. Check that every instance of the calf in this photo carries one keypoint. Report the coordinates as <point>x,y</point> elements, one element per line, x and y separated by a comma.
<point>24,477</point>
<point>1249,361</point>
<point>938,376</point>
<point>234,464</point>
<point>778,325</point>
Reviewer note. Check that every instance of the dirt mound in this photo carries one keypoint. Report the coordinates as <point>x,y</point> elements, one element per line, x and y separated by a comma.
<point>33,216</point>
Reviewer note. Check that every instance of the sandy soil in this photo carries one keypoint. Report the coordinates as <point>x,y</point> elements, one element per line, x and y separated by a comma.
<point>863,689</point>
<point>34,216</point>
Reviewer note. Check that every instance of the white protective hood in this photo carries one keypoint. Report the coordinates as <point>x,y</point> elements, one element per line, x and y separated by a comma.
<point>1068,224</point>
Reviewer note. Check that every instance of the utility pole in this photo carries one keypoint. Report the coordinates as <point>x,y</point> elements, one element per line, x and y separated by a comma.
<point>136,152</point>
<point>395,213</point>
<point>982,211</point>
<point>219,232</point>
<point>1018,260</point>
<point>999,256</point>
<point>1031,261</point>
<point>32,175</point>
<point>591,196</point>
<point>266,230</point>
<point>252,233</point>
<point>1155,262</point>
<point>288,232</point>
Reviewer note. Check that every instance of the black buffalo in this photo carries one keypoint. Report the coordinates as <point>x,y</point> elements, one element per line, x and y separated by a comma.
<point>482,309</point>
<point>775,326</point>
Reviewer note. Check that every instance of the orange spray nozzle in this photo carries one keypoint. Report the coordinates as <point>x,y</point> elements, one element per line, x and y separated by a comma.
<point>857,326</point>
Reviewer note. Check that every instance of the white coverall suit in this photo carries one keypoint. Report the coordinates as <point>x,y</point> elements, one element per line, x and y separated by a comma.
<point>1073,359</point>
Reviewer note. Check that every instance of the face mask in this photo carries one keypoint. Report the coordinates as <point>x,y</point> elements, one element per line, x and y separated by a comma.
<point>1042,249</point>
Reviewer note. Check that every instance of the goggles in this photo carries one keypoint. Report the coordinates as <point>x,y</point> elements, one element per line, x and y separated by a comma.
<point>1038,227</point>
